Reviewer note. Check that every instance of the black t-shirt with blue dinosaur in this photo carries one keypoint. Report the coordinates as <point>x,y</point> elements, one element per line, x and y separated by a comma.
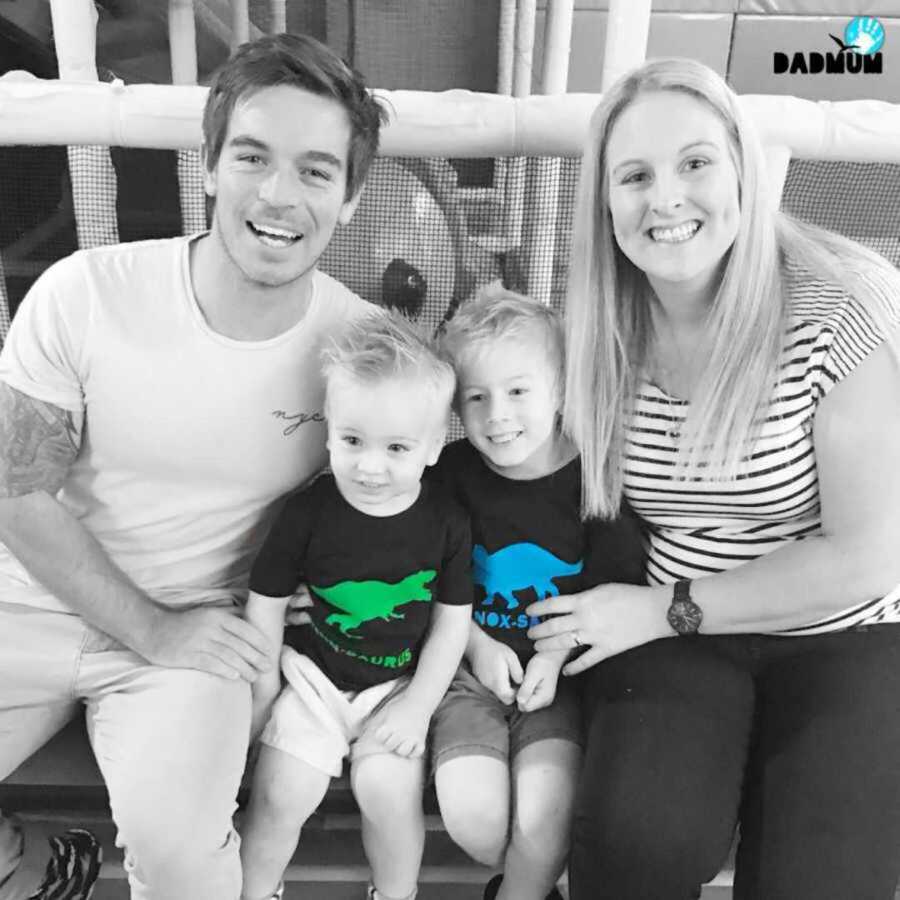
<point>529,542</point>
<point>372,579</point>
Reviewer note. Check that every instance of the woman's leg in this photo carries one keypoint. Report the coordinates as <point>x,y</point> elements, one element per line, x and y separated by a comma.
<point>821,819</point>
<point>286,791</point>
<point>658,799</point>
<point>544,777</point>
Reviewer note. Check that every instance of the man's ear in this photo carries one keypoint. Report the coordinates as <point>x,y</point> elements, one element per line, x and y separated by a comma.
<point>209,177</point>
<point>349,208</point>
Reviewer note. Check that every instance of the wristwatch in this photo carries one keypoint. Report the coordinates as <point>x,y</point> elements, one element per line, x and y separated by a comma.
<point>683,614</point>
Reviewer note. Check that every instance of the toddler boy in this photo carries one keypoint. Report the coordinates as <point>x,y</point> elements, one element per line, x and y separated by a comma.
<point>385,558</point>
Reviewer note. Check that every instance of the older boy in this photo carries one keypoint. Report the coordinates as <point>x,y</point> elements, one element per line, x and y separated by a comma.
<point>386,561</point>
<point>157,398</point>
<point>509,726</point>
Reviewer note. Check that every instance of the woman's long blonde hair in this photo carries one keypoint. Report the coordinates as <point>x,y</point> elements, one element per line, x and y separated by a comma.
<point>608,326</point>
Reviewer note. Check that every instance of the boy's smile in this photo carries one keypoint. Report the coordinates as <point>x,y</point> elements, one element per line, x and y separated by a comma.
<point>508,402</point>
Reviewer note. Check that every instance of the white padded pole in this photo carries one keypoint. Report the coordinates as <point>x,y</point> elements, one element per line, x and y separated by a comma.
<point>627,29</point>
<point>539,239</point>
<point>240,22</point>
<point>425,123</point>
<point>182,42</point>
<point>90,166</point>
<point>183,52</point>
<point>278,14</point>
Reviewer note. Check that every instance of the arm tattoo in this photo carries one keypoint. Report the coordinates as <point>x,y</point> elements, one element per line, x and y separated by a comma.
<point>38,443</point>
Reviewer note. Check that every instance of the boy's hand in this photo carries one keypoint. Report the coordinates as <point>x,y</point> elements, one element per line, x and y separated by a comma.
<point>401,725</point>
<point>497,667</point>
<point>539,684</point>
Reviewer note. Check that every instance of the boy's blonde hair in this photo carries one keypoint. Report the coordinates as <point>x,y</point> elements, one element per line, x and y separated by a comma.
<point>495,314</point>
<point>383,345</point>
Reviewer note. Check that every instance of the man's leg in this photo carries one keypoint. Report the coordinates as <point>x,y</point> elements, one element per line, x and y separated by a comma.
<point>821,819</point>
<point>38,656</point>
<point>659,794</point>
<point>171,744</point>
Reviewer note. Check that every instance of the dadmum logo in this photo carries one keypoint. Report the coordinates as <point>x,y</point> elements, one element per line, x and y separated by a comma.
<point>859,52</point>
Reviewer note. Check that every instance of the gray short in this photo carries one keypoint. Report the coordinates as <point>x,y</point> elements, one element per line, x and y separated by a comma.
<point>471,721</point>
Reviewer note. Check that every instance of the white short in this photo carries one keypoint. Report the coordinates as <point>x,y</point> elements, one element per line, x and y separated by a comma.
<point>319,723</point>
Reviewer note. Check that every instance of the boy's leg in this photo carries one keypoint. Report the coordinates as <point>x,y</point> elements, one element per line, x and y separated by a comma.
<point>286,791</point>
<point>545,774</point>
<point>473,796</point>
<point>302,748</point>
<point>388,789</point>
<point>470,753</point>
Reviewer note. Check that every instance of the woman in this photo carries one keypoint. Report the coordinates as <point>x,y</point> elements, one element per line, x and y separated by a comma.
<point>733,375</point>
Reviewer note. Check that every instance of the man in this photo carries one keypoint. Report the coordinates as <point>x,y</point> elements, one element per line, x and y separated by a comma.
<point>156,399</point>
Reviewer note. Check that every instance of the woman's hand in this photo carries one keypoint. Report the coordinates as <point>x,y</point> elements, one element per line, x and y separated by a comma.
<point>608,619</point>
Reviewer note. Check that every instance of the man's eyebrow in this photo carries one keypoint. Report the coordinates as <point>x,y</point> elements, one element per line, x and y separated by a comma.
<point>324,157</point>
<point>246,140</point>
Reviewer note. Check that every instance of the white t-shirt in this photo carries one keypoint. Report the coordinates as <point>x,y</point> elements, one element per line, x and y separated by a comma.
<point>190,437</point>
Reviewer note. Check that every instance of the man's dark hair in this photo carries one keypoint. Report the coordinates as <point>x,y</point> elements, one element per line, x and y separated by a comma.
<point>303,62</point>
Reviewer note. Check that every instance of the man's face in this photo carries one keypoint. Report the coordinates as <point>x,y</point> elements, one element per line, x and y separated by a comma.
<point>280,183</point>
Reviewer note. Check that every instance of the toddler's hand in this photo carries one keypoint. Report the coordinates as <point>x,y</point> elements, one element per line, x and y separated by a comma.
<point>497,667</point>
<point>539,684</point>
<point>401,725</point>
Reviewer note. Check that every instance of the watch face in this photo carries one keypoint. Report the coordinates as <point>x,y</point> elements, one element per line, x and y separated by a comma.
<point>685,616</point>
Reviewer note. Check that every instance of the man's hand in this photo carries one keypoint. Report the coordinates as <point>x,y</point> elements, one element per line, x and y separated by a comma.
<point>296,614</point>
<point>212,639</point>
<point>401,725</point>
<point>497,667</point>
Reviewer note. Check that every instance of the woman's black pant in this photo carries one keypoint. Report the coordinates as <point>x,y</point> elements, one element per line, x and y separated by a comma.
<point>796,738</point>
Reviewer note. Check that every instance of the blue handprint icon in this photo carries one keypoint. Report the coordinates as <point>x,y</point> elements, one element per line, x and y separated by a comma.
<point>865,34</point>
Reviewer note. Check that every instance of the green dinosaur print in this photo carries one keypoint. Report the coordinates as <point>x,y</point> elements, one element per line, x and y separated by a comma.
<point>363,601</point>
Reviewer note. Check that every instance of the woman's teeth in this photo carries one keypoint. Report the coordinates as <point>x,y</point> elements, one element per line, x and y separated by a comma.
<point>675,235</point>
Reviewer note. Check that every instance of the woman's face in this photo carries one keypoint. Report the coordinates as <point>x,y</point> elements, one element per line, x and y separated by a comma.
<point>673,191</point>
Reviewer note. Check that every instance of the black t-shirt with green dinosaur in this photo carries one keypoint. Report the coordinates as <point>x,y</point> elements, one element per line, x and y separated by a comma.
<point>372,579</point>
<point>529,541</point>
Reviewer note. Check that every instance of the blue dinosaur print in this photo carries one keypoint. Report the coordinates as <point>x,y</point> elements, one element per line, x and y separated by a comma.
<point>518,567</point>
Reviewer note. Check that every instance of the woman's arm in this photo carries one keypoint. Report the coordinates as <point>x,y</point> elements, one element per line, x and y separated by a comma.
<point>855,558</point>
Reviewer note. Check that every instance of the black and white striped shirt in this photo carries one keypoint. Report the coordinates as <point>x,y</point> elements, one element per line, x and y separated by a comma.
<point>697,527</point>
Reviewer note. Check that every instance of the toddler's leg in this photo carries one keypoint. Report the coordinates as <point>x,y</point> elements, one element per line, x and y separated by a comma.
<point>473,795</point>
<point>544,777</point>
<point>388,789</point>
<point>286,791</point>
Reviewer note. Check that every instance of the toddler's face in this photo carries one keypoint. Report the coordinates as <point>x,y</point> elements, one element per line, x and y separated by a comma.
<point>380,439</point>
<point>508,403</point>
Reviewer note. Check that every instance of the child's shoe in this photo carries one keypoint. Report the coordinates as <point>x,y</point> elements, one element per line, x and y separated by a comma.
<point>73,868</point>
<point>372,894</point>
<point>493,887</point>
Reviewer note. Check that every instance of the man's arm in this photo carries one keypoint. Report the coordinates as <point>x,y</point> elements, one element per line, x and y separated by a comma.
<point>38,444</point>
